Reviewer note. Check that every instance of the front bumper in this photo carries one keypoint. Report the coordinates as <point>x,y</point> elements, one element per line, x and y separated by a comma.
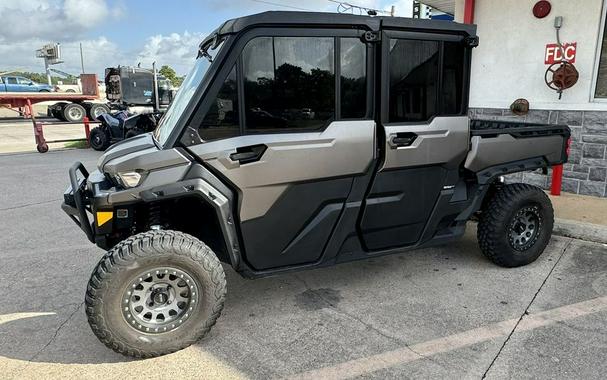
<point>76,201</point>
<point>85,201</point>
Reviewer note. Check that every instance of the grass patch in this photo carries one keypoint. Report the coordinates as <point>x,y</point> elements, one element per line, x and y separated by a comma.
<point>76,145</point>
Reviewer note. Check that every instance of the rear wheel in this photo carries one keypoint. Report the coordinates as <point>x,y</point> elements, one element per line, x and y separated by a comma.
<point>99,139</point>
<point>516,225</point>
<point>155,293</point>
<point>57,110</point>
<point>73,112</point>
<point>95,110</point>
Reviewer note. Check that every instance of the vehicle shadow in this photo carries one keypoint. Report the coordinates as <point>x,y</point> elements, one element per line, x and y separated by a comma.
<point>276,308</point>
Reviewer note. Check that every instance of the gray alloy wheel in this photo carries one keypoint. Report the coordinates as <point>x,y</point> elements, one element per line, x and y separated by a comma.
<point>525,228</point>
<point>160,299</point>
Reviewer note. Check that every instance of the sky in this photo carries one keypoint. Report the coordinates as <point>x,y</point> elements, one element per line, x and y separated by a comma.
<point>129,32</point>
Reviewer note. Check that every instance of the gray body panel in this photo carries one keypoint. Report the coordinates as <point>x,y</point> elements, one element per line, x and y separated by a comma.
<point>490,151</point>
<point>443,140</point>
<point>344,148</point>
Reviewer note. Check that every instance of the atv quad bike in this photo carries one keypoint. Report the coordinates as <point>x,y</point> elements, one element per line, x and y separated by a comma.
<point>310,139</point>
<point>119,126</point>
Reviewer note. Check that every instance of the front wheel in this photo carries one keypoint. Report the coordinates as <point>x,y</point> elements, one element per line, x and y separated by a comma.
<point>516,225</point>
<point>99,140</point>
<point>155,293</point>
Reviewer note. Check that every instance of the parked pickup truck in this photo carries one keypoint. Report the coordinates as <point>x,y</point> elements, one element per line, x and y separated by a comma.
<point>21,84</point>
<point>374,154</point>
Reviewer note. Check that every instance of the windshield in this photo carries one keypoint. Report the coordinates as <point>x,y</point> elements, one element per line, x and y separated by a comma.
<point>184,94</point>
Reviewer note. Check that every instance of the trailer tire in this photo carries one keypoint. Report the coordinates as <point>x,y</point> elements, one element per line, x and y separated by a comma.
<point>57,110</point>
<point>516,225</point>
<point>154,266</point>
<point>94,110</point>
<point>73,112</point>
<point>99,140</point>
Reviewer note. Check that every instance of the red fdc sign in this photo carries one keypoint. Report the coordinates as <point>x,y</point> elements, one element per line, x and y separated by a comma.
<point>554,53</point>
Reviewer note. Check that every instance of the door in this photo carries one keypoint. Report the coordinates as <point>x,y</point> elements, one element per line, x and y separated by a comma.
<point>424,132</point>
<point>289,127</point>
<point>26,85</point>
<point>11,84</point>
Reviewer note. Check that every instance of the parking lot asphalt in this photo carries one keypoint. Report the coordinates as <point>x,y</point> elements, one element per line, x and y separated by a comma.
<point>444,312</point>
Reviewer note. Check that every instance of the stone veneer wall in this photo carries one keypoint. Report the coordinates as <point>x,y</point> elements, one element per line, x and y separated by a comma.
<point>586,171</point>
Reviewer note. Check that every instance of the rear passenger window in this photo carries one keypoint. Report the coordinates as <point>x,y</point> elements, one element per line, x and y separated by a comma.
<point>353,86</point>
<point>289,83</point>
<point>413,80</point>
<point>11,80</point>
<point>221,120</point>
<point>453,78</point>
<point>419,88</point>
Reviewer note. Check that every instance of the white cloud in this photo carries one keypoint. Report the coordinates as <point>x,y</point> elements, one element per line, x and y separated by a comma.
<point>53,19</point>
<point>176,50</point>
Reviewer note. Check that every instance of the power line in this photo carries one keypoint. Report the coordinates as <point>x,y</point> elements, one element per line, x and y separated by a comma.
<point>282,5</point>
<point>346,7</point>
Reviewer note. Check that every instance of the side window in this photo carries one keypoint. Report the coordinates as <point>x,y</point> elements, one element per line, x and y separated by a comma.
<point>221,120</point>
<point>11,80</point>
<point>453,78</point>
<point>353,66</point>
<point>289,83</point>
<point>24,80</point>
<point>413,80</point>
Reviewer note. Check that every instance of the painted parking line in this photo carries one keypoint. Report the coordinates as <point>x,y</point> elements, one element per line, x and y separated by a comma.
<point>6,318</point>
<point>418,351</point>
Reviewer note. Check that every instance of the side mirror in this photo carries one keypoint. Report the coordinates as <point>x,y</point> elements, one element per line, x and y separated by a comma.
<point>30,84</point>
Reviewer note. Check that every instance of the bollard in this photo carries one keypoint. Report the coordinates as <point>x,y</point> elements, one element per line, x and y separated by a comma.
<point>87,131</point>
<point>41,144</point>
<point>557,180</point>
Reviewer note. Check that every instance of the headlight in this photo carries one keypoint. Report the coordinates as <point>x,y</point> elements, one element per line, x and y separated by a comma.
<point>129,179</point>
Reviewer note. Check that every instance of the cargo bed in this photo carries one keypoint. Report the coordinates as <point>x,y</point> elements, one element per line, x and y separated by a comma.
<point>497,142</point>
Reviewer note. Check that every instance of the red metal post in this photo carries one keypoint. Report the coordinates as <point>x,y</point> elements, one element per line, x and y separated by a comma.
<point>469,12</point>
<point>557,180</point>
<point>87,131</point>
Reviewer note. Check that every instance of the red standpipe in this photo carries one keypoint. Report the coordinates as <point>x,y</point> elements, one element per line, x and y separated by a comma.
<point>469,12</point>
<point>557,180</point>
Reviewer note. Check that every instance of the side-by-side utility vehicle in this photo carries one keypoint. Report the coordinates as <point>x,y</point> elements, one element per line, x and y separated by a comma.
<point>302,140</point>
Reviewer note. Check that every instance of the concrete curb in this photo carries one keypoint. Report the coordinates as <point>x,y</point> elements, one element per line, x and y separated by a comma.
<point>580,230</point>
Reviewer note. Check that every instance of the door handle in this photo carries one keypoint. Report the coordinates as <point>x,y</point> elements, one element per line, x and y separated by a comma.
<point>402,139</point>
<point>248,154</point>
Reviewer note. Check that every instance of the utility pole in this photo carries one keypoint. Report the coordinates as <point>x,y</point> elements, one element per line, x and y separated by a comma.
<point>392,11</point>
<point>81,58</point>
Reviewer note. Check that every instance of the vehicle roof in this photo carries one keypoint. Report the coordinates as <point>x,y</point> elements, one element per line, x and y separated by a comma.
<point>324,19</point>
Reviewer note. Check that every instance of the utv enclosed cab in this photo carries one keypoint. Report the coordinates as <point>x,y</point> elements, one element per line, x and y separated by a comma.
<point>302,140</point>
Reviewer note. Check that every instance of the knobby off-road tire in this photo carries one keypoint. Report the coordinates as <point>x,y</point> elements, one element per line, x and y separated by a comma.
<point>516,225</point>
<point>99,139</point>
<point>181,258</point>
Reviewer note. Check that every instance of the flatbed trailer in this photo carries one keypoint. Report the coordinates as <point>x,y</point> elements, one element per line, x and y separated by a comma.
<point>74,107</point>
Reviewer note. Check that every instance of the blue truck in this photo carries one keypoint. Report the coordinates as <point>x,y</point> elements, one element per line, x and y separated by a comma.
<point>14,83</point>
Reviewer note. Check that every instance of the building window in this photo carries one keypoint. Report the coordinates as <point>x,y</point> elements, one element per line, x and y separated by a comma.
<point>289,83</point>
<point>600,90</point>
<point>221,120</point>
<point>353,81</point>
<point>413,80</point>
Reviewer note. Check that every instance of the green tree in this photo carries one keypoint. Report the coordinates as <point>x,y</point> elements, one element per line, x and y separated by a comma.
<point>169,73</point>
